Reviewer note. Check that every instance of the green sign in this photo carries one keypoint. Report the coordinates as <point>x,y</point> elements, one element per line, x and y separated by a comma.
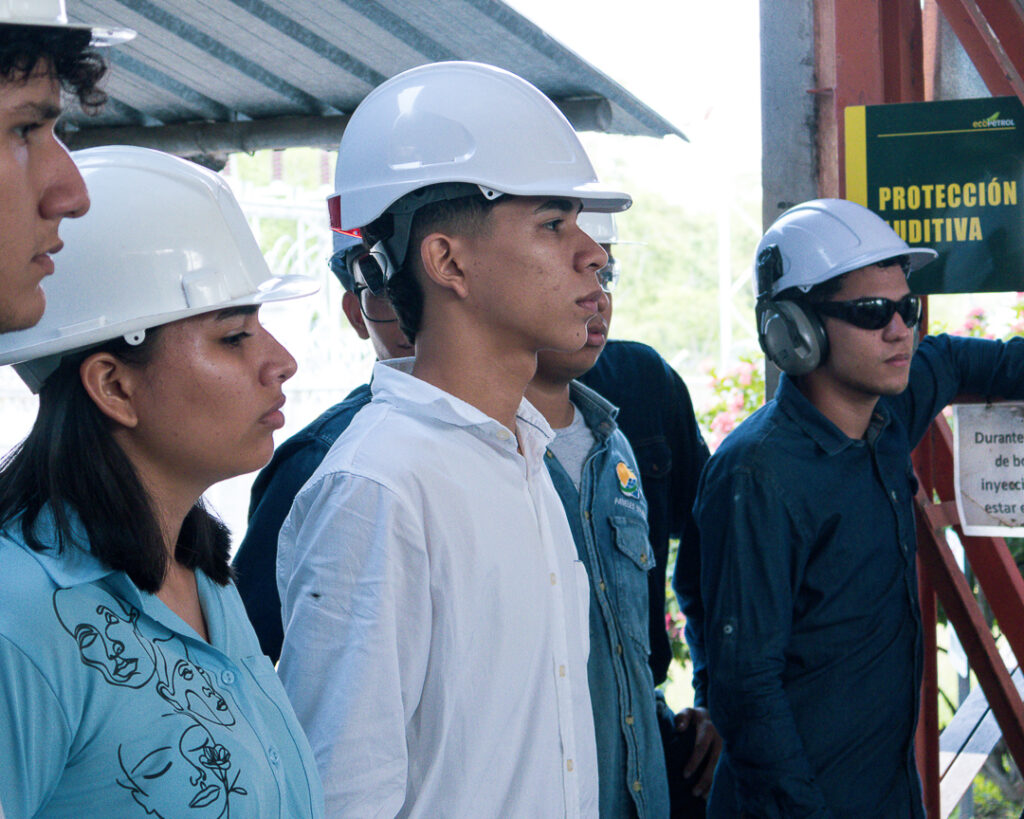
<point>947,175</point>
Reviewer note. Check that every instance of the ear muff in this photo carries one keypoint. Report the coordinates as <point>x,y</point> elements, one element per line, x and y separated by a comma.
<point>792,337</point>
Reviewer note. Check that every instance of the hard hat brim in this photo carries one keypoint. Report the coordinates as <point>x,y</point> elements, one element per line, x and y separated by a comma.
<point>102,36</point>
<point>278,288</point>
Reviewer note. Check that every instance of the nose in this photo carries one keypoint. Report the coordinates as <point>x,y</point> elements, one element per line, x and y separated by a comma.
<point>64,194</point>
<point>591,256</point>
<point>896,329</point>
<point>279,365</point>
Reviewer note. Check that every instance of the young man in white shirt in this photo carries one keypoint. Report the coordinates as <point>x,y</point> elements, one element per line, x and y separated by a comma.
<point>435,614</point>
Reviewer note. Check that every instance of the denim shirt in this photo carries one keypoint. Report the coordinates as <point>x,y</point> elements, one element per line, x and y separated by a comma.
<point>810,587</point>
<point>273,491</point>
<point>656,416</point>
<point>608,518</point>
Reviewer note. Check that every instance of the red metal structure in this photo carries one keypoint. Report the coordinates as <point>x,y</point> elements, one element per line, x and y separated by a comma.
<point>878,51</point>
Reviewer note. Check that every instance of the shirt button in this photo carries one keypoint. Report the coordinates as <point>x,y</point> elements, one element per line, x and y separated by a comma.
<point>727,629</point>
<point>629,719</point>
<point>553,579</point>
<point>227,677</point>
<point>568,765</point>
<point>272,755</point>
<point>586,514</point>
<point>503,434</point>
<point>618,649</point>
<point>561,671</point>
<point>549,454</point>
<point>643,558</point>
<point>637,786</point>
<point>602,586</point>
<point>893,495</point>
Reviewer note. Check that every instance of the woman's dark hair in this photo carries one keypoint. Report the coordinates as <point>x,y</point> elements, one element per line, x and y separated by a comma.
<point>77,67</point>
<point>70,463</point>
<point>465,215</point>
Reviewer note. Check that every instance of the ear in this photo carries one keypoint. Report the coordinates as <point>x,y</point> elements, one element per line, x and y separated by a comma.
<point>350,304</point>
<point>110,384</point>
<point>442,258</point>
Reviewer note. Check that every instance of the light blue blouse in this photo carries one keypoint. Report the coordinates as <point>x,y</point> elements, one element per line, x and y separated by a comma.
<point>112,705</point>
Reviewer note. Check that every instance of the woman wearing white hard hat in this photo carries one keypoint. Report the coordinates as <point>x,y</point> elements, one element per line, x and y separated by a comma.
<point>131,683</point>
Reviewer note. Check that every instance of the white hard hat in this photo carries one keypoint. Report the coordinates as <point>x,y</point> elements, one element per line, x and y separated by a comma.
<point>164,239</point>
<point>461,122</point>
<point>52,14</point>
<point>824,238</point>
<point>600,227</point>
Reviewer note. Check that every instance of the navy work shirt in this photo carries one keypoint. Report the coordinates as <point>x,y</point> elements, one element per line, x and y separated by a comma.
<point>810,590</point>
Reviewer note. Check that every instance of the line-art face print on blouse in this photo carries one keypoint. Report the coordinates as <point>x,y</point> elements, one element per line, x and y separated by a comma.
<point>181,765</point>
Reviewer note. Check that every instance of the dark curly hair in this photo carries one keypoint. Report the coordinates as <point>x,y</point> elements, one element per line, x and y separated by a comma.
<point>76,66</point>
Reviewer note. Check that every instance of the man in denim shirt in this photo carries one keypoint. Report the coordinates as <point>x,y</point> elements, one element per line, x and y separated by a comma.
<point>274,489</point>
<point>807,526</point>
<point>596,474</point>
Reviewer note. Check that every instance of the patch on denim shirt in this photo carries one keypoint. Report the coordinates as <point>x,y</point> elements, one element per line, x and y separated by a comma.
<point>632,506</point>
<point>628,484</point>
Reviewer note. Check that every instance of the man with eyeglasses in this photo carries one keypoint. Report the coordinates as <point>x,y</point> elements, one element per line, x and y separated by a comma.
<point>807,528</point>
<point>368,310</point>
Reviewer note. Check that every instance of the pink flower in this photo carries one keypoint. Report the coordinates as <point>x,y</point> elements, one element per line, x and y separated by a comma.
<point>746,374</point>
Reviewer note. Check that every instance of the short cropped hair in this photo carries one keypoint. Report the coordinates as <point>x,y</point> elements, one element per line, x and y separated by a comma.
<point>465,216</point>
<point>77,67</point>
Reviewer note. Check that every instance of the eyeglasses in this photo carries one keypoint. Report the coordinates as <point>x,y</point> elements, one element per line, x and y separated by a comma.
<point>375,308</point>
<point>873,314</point>
<point>356,265</point>
<point>608,276</point>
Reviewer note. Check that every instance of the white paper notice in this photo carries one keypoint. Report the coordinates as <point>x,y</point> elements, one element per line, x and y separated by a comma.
<point>988,468</point>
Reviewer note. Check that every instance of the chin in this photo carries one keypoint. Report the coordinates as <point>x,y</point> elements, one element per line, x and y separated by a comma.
<point>22,314</point>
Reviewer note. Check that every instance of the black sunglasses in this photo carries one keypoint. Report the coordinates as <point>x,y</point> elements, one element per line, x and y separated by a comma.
<point>873,314</point>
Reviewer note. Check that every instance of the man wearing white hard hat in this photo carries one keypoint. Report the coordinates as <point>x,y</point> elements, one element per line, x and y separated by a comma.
<point>807,525</point>
<point>41,55</point>
<point>435,613</point>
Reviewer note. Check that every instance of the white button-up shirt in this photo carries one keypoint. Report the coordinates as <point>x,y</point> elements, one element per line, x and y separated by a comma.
<point>436,616</point>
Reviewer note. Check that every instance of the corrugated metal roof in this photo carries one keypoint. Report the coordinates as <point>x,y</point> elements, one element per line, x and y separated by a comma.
<point>280,66</point>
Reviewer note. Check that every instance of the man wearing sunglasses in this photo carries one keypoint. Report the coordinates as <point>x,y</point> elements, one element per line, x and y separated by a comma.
<point>807,528</point>
<point>368,310</point>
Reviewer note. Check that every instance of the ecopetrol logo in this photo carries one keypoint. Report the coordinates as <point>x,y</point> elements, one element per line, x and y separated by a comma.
<point>994,122</point>
<point>628,484</point>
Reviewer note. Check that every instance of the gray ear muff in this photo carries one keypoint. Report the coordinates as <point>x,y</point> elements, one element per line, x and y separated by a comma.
<point>792,338</point>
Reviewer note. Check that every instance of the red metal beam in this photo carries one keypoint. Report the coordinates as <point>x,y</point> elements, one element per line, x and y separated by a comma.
<point>990,558</point>
<point>983,44</point>
<point>975,637</point>
<point>927,739</point>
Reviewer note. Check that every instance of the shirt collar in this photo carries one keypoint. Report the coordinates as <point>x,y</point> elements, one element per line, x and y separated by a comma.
<point>393,383</point>
<point>74,564</point>
<point>811,420</point>
<point>598,412</point>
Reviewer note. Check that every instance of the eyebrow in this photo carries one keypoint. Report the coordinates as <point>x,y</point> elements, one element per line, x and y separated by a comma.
<point>563,205</point>
<point>38,110</point>
<point>231,312</point>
